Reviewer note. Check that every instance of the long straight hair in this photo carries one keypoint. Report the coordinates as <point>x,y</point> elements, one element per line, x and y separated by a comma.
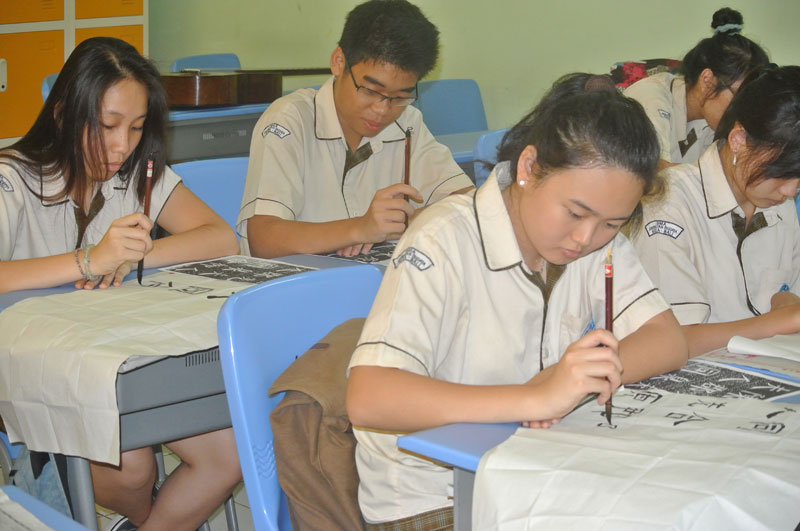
<point>67,138</point>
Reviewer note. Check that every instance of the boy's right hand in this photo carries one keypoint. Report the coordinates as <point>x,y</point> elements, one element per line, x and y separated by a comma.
<point>589,365</point>
<point>126,240</point>
<point>388,213</point>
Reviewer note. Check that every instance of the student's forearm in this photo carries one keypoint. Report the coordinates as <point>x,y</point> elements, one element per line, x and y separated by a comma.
<point>33,273</point>
<point>269,236</point>
<point>201,243</point>
<point>657,347</point>
<point>400,401</point>
<point>710,336</point>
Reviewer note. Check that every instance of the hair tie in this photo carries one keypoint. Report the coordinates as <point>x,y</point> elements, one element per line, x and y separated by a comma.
<point>728,28</point>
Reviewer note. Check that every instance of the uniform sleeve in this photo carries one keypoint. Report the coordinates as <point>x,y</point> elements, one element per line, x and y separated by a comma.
<point>433,171</point>
<point>795,239</point>
<point>666,245</point>
<point>274,183</point>
<point>657,102</point>
<point>403,329</point>
<point>166,185</point>
<point>636,299</point>
<point>12,206</point>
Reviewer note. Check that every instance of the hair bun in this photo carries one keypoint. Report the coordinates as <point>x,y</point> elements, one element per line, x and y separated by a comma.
<point>727,21</point>
<point>599,83</point>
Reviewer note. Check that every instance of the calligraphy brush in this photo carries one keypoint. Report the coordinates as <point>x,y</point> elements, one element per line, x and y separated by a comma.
<point>407,169</point>
<point>148,188</point>
<point>609,313</point>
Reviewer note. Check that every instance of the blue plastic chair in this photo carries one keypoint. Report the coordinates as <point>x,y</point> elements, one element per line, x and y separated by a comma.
<point>8,452</point>
<point>218,182</point>
<point>262,330</point>
<point>47,84</point>
<point>797,204</point>
<point>486,151</point>
<point>451,106</point>
<point>210,62</point>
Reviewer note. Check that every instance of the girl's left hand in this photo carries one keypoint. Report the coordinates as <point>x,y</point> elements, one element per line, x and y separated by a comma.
<point>114,278</point>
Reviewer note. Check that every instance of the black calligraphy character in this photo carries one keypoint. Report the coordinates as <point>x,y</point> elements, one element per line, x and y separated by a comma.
<point>780,411</point>
<point>646,396</point>
<point>683,417</point>
<point>763,427</point>
<point>709,405</point>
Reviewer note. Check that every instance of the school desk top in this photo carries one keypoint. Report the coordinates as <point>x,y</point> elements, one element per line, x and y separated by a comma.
<point>463,445</point>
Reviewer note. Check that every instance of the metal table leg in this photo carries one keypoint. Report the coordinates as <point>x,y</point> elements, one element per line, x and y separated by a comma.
<point>79,478</point>
<point>463,481</point>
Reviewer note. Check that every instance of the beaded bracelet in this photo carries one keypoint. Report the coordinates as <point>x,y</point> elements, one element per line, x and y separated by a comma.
<point>89,276</point>
<point>78,263</point>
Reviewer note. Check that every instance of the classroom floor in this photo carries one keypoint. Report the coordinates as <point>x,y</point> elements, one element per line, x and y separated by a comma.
<point>217,522</point>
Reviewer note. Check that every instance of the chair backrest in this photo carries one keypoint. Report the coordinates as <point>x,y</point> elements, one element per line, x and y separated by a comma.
<point>209,62</point>
<point>486,151</point>
<point>218,182</point>
<point>8,452</point>
<point>47,84</point>
<point>262,330</point>
<point>451,106</point>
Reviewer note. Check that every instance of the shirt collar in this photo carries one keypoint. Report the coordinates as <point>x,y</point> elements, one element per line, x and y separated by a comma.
<point>678,89</point>
<point>717,192</point>
<point>328,127</point>
<point>499,242</point>
<point>51,187</point>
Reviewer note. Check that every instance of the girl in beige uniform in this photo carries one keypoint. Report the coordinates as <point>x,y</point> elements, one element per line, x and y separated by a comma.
<point>71,193</point>
<point>492,306</point>
<point>724,244</point>
<point>686,109</point>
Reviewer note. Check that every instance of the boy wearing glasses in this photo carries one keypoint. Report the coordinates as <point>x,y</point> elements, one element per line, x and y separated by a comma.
<point>326,166</point>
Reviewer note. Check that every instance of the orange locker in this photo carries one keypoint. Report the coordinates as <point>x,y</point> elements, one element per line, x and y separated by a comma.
<point>107,8</point>
<point>16,11</point>
<point>29,57</point>
<point>133,35</point>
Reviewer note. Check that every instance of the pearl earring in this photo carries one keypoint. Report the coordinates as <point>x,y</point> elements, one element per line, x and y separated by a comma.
<point>734,159</point>
<point>522,182</point>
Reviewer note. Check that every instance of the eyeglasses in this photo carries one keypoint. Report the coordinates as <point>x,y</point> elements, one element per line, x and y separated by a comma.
<point>373,96</point>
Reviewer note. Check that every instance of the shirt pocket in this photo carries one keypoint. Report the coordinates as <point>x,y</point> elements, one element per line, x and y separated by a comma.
<point>770,281</point>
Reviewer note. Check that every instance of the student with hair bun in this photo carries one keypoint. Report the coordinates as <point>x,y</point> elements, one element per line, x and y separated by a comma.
<point>724,245</point>
<point>490,309</point>
<point>686,109</point>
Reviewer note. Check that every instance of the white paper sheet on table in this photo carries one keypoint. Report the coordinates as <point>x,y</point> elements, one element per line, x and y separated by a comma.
<point>669,462</point>
<point>14,517</point>
<point>87,335</point>
<point>781,346</point>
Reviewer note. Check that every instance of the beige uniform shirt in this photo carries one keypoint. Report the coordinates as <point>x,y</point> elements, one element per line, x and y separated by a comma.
<point>297,158</point>
<point>689,247</point>
<point>663,97</point>
<point>458,304</point>
<point>32,228</point>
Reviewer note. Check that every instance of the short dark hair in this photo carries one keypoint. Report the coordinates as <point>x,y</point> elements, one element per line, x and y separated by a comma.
<point>54,144</point>
<point>728,54</point>
<point>393,32</point>
<point>584,122</point>
<point>767,105</point>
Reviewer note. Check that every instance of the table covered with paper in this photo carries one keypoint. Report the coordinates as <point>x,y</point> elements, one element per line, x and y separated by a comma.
<point>59,354</point>
<point>667,461</point>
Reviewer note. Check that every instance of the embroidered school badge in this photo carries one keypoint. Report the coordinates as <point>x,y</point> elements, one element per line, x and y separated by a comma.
<point>414,257</point>
<point>5,184</point>
<point>277,130</point>
<point>663,113</point>
<point>666,228</point>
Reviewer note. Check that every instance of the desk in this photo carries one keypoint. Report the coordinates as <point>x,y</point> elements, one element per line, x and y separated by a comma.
<point>46,515</point>
<point>165,399</point>
<point>462,446</point>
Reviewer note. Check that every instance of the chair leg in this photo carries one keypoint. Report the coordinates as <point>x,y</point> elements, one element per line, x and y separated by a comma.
<point>230,514</point>
<point>158,452</point>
